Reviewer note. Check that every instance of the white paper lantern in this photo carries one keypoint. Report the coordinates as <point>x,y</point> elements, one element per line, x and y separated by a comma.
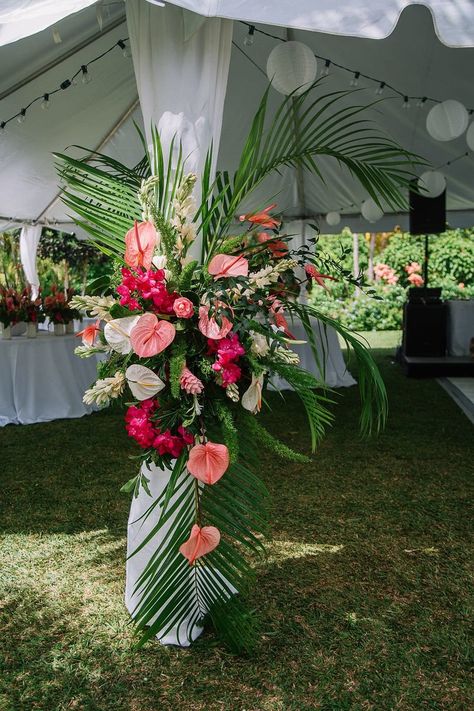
<point>447,120</point>
<point>470,137</point>
<point>371,211</point>
<point>333,218</point>
<point>291,67</point>
<point>431,183</point>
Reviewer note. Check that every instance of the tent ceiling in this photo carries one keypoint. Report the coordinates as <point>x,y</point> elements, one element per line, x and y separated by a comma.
<point>411,58</point>
<point>454,19</point>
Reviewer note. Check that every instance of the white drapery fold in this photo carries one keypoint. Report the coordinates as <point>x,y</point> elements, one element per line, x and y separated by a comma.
<point>181,63</point>
<point>29,240</point>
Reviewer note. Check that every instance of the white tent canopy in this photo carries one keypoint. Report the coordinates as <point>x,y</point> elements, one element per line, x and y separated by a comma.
<point>100,114</point>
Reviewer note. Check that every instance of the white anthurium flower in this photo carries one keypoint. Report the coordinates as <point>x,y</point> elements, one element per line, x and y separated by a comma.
<point>143,382</point>
<point>117,333</point>
<point>159,262</point>
<point>260,346</point>
<point>252,398</point>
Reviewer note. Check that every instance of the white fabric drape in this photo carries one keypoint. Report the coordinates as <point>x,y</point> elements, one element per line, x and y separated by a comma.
<point>181,65</point>
<point>29,240</point>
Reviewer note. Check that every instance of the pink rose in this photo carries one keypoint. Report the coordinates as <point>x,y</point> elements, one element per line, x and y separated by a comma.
<point>183,307</point>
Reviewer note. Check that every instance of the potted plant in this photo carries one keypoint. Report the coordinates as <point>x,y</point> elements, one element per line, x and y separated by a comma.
<point>55,307</point>
<point>32,312</point>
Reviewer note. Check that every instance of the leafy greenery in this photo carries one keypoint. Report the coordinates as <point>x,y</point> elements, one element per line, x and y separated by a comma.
<point>364,597</point>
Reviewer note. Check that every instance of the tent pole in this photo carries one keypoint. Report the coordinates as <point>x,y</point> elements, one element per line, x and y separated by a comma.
<point>98,148</point>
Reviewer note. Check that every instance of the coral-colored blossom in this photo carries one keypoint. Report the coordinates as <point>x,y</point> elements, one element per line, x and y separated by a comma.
<point>209,326</point>
<point>225,265</point>
<point>228,351</point>
<point>201,541</point>
<point>416,279</point>
<point>319,278</point>
<point>150,336</point>
<point>190,383</point>
<point>139,425</point>
<point>89,333</point>
<point>140,244</point>
<point>277,247</point>
<point>262,218</point>
<point>208,462</point>
<point>183,307</point>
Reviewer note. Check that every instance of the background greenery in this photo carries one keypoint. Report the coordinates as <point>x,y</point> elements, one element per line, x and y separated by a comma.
<point>451,263</point>
<point>364,598</point>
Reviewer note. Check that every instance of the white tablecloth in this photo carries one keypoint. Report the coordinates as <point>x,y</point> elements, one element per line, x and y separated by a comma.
<point>41,379</point>
<point>330,367</point>
<point>460,326</point>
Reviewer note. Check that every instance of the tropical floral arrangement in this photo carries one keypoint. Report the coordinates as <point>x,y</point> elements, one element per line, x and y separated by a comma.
<point>11,310</point>
<point>57,305</point>
<point>192,343</point>
<point>31,309</point>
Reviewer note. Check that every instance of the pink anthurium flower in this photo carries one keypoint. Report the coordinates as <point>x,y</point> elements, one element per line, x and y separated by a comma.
<point>89,333</point>
<point>208,462</point>
<point>201,541</point>
<point>150,336</point>
<point>209,326</point>
<point>140,244</point>
<point>262,218</point>
<point>224,265</point>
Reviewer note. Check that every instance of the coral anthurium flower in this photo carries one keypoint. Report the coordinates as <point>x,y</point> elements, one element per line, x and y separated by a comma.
<point>209,326</point>
<point>252,398</point>
<point>208,462</point>
<point>277,247</point>
<point>117,333</point>
<point>225,265</point>
<point>89,333</point>
<point>313,273</point>
<point>140,244</point>
<point>262,218</point>
<point>143,382</point>
<point>201,541</point>
<point>150,336</point>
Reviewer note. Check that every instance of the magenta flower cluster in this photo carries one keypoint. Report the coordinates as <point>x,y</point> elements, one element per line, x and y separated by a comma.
<point>146,284</point>
<point>145,431</point>
<point>228,351</point>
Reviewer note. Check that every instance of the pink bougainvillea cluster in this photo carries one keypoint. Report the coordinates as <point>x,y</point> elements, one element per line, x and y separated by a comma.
<point>148,284</point>
<point>228,351</point>
<point>146,432</point>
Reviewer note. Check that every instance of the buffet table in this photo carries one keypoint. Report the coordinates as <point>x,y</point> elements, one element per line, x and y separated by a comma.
<point>41,379</point>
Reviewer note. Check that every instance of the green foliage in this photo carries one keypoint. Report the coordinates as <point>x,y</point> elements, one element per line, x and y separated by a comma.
<point>364,312</point>
<point>177,363</point>
<point>187,275</point>
<point>263,437</point>
<point>229,431</point>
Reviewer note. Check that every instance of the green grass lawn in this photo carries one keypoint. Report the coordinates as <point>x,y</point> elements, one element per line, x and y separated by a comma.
<point>363,599</point>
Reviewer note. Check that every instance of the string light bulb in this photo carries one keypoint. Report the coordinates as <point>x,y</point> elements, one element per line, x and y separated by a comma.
<point>249,38</point>
<point>380,88</point>
<point>2,128</point>
<point>420,104</point>
<point>325,69</point>
<point>86,77</point>
<point>45,102</point>
<point>355,79</point>
<point>21,118</point>
<point>406,103</point>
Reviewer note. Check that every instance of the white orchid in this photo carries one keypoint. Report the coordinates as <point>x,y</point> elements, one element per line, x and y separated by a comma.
<point>252,398</point>
<point>117,333</point>
<point>143,382</point>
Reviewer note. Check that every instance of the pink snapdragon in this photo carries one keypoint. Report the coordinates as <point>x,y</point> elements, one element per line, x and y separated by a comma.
<point>416,279</point>
<point>385,273</point>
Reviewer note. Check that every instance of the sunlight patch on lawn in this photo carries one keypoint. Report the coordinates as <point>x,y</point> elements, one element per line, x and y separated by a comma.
<point>284,550</point>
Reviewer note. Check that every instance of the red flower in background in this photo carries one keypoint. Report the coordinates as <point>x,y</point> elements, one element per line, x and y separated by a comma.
<point>262,218</point>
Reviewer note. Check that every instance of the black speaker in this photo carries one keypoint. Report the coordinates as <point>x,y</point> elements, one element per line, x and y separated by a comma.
<point>424,329</point>
<point>427,215</point>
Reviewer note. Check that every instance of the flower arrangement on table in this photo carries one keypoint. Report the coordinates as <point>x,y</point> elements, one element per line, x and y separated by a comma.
<point>57,306</point>
<point>192,345</point>
<point>11,311</point>
<point>31,309</point>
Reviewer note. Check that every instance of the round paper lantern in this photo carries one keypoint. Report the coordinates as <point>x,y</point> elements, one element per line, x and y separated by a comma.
<point>447,120</point>
<point>333,218</point>
<point>371,211</point>
<point>431,183</point>
<point>470,137</point>
<point>291,67</point>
